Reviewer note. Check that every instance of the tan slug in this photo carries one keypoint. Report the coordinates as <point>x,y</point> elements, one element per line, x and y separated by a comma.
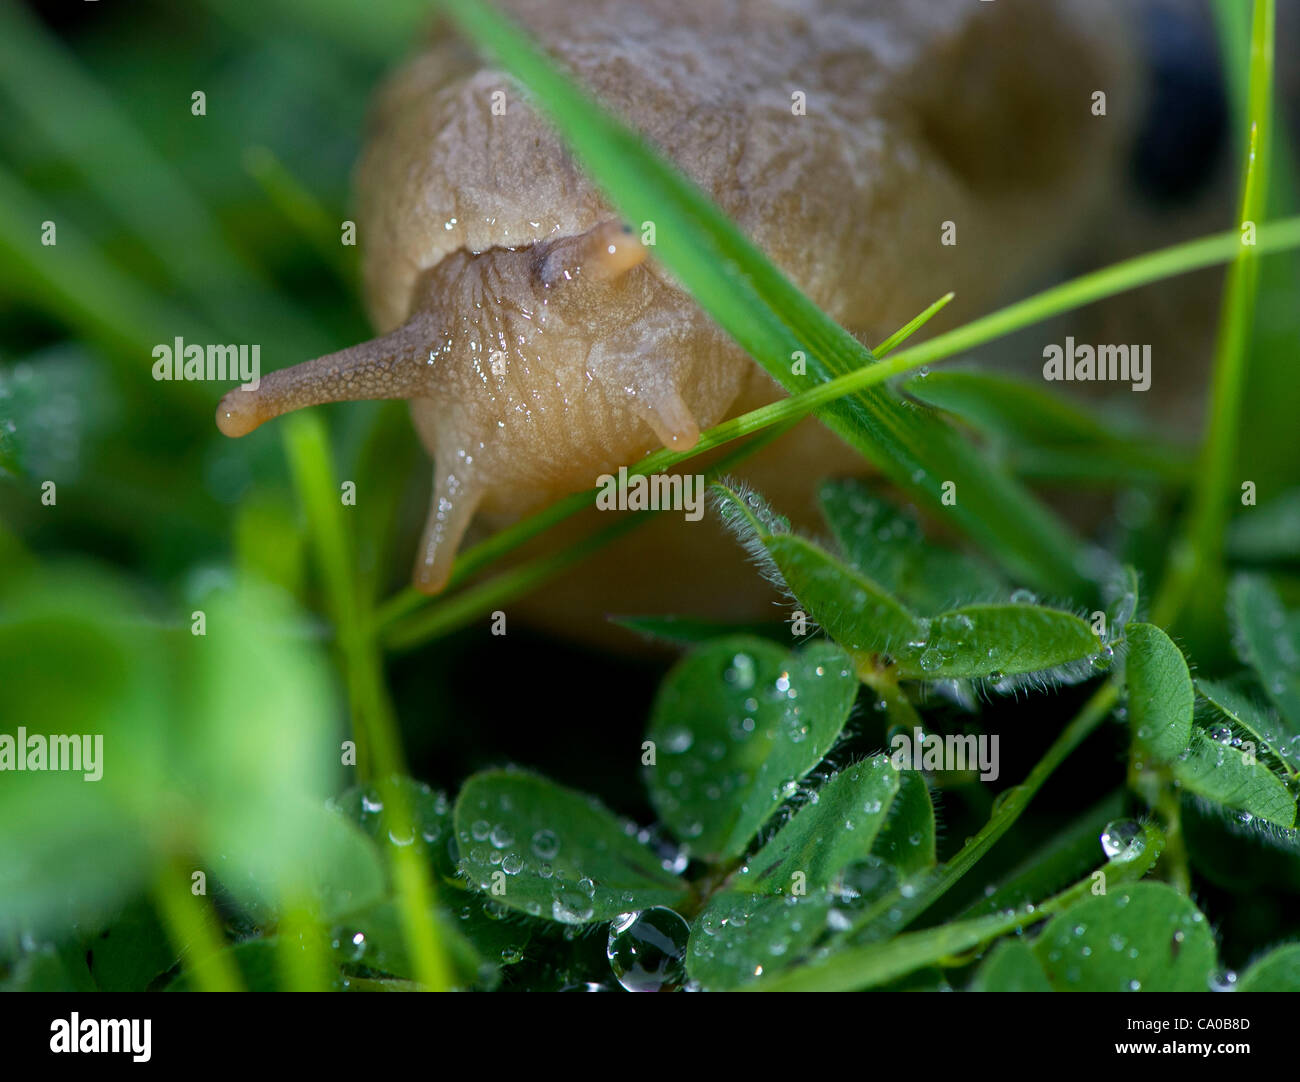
<point>537,339</point>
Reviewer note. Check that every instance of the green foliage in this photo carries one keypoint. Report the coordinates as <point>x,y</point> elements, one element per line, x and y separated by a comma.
<point>1160,695</point>
<point>1277,971</point>
<point>987,641</point>
<point>1145,936</point>
<point>554,853</point>
<point>1268,640</point>
<point>736,726</point>
<point>1234,779</point>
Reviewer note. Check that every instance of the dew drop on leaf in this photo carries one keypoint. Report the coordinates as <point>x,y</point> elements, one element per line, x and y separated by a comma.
<point>647,950</point>
<point>546,844</point>
<point>741,672</point>
<point>1123,840</point>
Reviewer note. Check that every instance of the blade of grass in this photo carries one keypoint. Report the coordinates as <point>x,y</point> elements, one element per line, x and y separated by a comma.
<point>1008,809</point>
<point>1272,394</point>
<point>772,320</point>
<point>374,726</point>
<point>302,961</point>
<point>302,210</point>
<point>1063,856</point>
<point>1197,558</point>
<point>1029,424</point>
<point>191,924</point>
<point>1196,571</point>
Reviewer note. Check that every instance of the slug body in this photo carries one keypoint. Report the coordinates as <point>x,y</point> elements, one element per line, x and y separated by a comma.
<point>538,341</point>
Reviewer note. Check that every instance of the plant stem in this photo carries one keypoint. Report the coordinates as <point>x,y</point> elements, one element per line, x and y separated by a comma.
<point>304,965</point>
<point>1014,802</point>
<point>883,681</point>
<point>1006,811</point>
<point>374,726</point>
<point>191,925</point>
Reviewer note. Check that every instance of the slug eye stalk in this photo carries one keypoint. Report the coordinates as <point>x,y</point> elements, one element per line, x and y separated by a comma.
<point>393,366</point>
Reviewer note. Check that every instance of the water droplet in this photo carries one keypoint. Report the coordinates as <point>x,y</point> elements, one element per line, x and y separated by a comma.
<point>358,946</point>
<point>571,906</point>
<point>647,950</point>
<point>546,844</point>
<point>679,739</point>
<point>1001,799</point>
<point>1123,840</point>
<point>1223,982</point>
<point>741,673</point>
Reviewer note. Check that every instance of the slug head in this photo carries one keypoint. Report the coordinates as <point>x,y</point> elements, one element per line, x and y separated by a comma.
<point>531,371</point>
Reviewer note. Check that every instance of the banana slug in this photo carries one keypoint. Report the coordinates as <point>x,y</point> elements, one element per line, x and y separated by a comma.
<point>539,343</point>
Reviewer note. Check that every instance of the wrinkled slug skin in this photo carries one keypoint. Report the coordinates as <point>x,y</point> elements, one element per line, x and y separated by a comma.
<point>542,346</point>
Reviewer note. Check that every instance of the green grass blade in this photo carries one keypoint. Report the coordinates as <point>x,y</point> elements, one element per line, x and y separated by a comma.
<point>374,726</point>
<point>1198,558</point>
